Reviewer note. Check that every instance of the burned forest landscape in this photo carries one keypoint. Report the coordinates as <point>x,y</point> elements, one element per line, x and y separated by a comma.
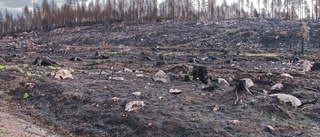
<point>248,75</point>
<point>159,65</point>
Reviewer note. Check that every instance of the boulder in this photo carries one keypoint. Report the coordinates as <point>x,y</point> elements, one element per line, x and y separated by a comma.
<point>161,76</point>
<point>134,106</point>
<point>63,74</point>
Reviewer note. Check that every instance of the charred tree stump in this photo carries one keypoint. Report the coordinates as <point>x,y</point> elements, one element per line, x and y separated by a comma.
<point>315,66</point>
<point>97,55</point>
<point>44,61</point>
<point>241,89</point>
<point>200,72</point>
<point>75,59</point>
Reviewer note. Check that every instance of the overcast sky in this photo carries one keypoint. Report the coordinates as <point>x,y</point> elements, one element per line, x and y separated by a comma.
<point>16,6</point>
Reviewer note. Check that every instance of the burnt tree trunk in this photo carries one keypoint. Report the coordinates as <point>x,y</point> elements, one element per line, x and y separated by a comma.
<point>302,46</point>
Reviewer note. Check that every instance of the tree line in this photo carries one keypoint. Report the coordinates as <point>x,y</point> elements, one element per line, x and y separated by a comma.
<point>47,15</point>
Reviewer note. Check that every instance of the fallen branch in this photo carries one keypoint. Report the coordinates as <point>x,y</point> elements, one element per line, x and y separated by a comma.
<point>285,111</point>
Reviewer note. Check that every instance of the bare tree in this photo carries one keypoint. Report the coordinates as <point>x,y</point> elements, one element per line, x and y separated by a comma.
<point>28,16</point>
<point>1,23</point>
<point>272,7</point>
<point>211,8</point>
<point>279,7</point>
<point>306,10</point>
<point>266,8</point>
<point>46,15</point>
<point>259,7</point>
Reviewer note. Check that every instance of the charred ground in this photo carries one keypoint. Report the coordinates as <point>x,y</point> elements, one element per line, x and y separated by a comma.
<point>84,106</point>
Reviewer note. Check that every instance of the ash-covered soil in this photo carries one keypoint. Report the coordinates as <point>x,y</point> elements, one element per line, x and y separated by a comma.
<point>93,103</point>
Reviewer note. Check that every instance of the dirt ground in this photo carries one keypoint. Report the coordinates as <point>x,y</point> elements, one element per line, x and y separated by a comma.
<point>33,103</point>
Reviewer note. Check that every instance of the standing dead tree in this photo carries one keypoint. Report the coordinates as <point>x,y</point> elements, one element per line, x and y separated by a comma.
<point>304,35</point>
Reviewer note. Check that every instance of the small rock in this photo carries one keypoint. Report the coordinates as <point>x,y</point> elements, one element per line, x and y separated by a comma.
<point>117,78</point>
<point>269,74</point>
<point>29,85</point>
<point>175,91</point>
<point>265,92</point>
<point>127,70</point>
<point>161,76</point>
<point>115,98</point>
<point>233,122</point>
<point>134,106</point>
<point>118,72</point>
<point>95,105</point>
<point>161,73</point>
<point>163,80</point>
<point>139,75</point>
<point>278,86</point>
<point>230,79</point>
<point>63,74</point>
<point>136,93</point>
<point>270,127</point>
<point>204,58</point>
<point>306,66</point>
<point>287,75</point>
<point>121,46</point>
<point>137,71</point>
<point>216,108</point>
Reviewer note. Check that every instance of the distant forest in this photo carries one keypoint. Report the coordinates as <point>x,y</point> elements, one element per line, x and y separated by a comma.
<point>47,15</point>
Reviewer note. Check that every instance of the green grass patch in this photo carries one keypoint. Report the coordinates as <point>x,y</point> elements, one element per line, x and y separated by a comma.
<point>29,74</point>
<point>52,67</point>
<point>113,53</point>
<point>273,118</point>
<point>3,66</point>
<point>21,71</point>
<point>260,54</point>
<point>71,70</point>
<point>25,96</point>
<point>25,65</point>
<point>45,74</point>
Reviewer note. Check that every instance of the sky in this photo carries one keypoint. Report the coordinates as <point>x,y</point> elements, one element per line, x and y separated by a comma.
<point>16,6</point>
